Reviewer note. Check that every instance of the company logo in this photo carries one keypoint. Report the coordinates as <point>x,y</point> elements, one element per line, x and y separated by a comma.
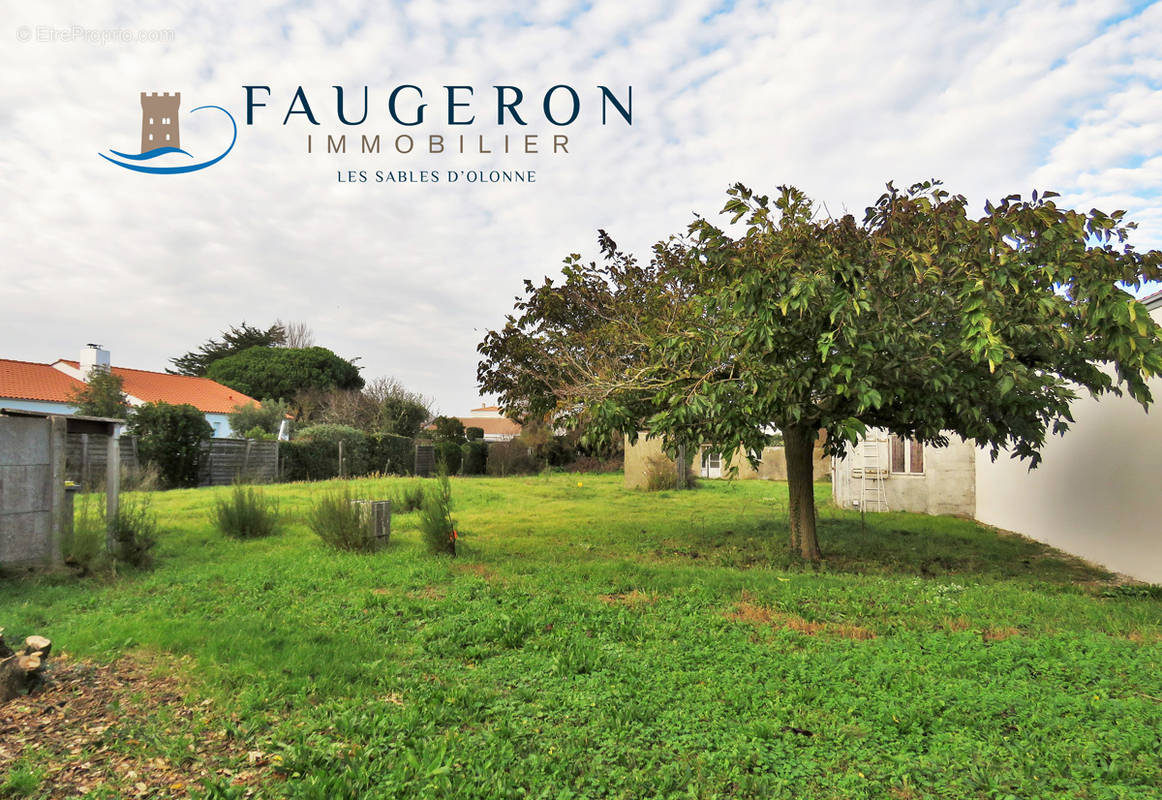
<point>160,136</point>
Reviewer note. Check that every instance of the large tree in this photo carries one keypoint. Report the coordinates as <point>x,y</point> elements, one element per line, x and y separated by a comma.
<point>234,340</point>
<point>280,373</point>
<point>921,319</point>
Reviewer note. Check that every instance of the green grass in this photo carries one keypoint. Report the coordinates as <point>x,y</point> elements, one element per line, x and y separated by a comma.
<point>596,642</point>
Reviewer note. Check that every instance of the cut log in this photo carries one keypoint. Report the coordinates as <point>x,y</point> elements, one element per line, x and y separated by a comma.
<point>23,672</point>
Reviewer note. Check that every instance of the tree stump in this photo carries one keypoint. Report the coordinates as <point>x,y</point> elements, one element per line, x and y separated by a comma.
<point>22,672</point>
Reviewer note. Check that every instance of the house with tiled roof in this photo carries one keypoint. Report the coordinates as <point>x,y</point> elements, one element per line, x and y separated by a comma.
<point>31,386</point>
<point>496,426</point>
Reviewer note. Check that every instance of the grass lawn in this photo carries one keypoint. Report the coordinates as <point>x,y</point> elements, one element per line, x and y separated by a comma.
<point>597,642</point>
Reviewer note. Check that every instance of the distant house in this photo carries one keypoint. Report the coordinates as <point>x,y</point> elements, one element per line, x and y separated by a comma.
<point>30,386</point>
<point>496,426</point>
<point>1094,493</point>
<point>709,462</point>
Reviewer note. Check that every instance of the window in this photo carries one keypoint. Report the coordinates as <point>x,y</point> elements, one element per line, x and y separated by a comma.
<point>151,137</point>
<point>907,456</point>
<point>167,137</point>
<point>151,120</point>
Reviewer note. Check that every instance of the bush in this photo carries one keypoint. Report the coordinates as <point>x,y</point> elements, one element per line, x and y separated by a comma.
<point>558,452</point>
<point>314,454</point>
<point>474,434</point>
<point>510,458</point>
<point>662,474</point>
<point>407,498</point>
<point>170,437</point>
<point>263,420</point>
<point>448,429</point>
<point>86,549</point>
<point>448,457</point>
<point>436,523</point>
<point>391,454</point>
<point>247,514</point>
<point>475,457</point>
<point>342,523</point>
<point>134,532</point>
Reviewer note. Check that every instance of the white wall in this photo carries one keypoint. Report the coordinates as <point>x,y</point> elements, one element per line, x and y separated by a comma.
<point>1095,494</point>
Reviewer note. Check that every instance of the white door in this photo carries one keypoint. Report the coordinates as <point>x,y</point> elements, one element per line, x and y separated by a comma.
<point>711,464</point>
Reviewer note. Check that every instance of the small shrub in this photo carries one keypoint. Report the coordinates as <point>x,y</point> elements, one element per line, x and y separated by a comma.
<point>407,498</point>
<point>86,549</point>
<point>142,478</point>
<point>436,523</point>
<point>247,514</point>
<point>662,475</point>
<point>342,523</point>
<point>134,532</point>
<point>474,434</point>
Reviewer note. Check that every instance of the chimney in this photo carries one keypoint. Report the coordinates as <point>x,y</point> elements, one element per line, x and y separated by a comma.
<point>93,357</point>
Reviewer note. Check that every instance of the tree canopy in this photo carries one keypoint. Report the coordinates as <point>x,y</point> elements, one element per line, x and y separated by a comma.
<point>234,340</point>
<point>279,373</point>
<point>102,396</point>
<point>919,319</point>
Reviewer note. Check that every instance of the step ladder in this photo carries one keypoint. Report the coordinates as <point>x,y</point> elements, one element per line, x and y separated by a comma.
<point>870,461</point>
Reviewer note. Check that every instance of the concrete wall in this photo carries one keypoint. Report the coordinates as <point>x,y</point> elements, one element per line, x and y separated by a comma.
<point>638,457</point>
<point>32,455</point>
<point>947,485</point>
<point>772,467</point>
<point>1096,491</point>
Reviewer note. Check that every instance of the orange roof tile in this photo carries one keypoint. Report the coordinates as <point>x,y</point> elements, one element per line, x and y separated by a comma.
<point>492,426</point>
<point>26,380</point>
<point>202,393</point>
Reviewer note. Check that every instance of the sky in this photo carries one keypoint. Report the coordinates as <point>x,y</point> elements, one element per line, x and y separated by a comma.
<point>836,98</point>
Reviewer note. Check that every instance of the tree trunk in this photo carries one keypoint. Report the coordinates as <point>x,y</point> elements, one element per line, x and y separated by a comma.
<point>21,672</point>
<point>799,449</point>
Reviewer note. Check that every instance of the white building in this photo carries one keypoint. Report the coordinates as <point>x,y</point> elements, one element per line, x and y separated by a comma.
<point>1095,493</point>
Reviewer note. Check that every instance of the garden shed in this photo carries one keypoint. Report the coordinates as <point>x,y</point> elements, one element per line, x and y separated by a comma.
<point>35,504</point>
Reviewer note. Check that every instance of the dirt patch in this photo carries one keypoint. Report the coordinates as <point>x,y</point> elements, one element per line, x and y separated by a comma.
<point>998,634</point>
<point>474,568</point>
<point>633,599</point>
<point>957,624</point>
<point>93,727</point>
<point>429,593</point>
<point>751,613</point>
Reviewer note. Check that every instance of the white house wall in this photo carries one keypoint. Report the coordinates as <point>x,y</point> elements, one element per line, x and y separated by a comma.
<point>37,405</point>
<point>1095,494</point>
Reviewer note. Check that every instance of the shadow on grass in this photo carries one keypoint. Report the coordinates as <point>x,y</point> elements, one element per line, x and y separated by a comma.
<point>890,544</point>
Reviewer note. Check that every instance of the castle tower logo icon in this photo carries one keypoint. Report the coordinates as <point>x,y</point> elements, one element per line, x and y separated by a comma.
<point>161,137</point>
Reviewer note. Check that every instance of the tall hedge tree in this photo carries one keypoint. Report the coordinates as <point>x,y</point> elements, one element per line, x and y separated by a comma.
<point>171,437</point>
<point>234,340</point>
<point>280,373</point>
<point>920,319</point>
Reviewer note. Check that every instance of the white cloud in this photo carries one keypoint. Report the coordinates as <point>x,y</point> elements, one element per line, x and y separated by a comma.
<point>836,97</point>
